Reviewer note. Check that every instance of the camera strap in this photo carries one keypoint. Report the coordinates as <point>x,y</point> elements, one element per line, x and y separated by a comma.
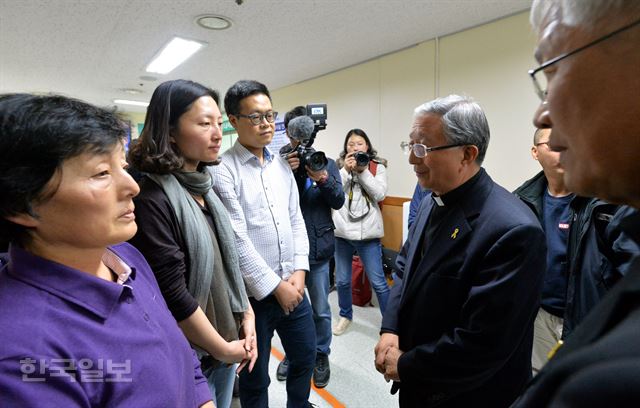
<point>357,217</point>
<point>373,166</point>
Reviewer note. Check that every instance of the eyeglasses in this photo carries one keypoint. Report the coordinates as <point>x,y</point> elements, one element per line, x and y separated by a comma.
<point>257,118</point>
<point>537,74</point>
<point>420,150</point>
<point>542,143</point>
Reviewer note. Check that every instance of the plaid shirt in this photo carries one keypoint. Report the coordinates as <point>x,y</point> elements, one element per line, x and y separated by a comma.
<point>262,201</point>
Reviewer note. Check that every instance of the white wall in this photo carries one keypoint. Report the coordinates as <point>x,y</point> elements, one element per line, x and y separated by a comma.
<point>489,63</point>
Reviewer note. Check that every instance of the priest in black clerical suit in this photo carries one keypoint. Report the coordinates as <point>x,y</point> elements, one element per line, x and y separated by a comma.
<point>459,324</point>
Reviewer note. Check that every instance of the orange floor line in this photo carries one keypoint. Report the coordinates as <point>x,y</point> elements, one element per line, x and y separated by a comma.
<point>324,394</point>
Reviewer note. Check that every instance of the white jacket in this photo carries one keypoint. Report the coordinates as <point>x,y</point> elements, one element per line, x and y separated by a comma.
<point>360,218</point>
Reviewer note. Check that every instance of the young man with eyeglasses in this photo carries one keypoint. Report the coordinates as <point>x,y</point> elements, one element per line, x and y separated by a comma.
<point>589,56</point>
<point>587,253</point>
<point>260,194</point>
<point>458,327</point>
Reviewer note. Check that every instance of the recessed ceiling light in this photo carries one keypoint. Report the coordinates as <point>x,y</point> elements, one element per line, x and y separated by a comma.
<point>131,91</point>
<point>128,102</point>
<point>213,22</point>
<point>177,51</point>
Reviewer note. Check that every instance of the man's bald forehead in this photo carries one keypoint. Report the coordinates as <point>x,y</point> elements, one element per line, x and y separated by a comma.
<point>539,133</point>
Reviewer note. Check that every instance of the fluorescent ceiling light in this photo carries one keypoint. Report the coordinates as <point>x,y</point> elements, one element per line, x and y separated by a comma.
<point>127,102</point>
<point>177,51</point>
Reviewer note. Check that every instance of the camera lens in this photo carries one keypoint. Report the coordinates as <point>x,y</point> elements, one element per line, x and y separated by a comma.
<point>362,159</point>
<point>316,161</point>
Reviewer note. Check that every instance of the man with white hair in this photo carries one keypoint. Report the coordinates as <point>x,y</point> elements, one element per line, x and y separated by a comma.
<point>589,83</point>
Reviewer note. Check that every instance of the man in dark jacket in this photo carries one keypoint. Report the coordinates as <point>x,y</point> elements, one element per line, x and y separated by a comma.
<point>418,194</point>
<point>586,250</point>
<point>458,327</point>
<point>320,191</point>
<point>588,86</point>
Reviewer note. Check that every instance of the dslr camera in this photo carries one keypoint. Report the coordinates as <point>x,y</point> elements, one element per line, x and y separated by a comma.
<point>362,159</point>
<point>304,129</point>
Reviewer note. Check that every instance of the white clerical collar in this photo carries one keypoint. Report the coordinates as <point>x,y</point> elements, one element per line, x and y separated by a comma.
<point>438,200</point>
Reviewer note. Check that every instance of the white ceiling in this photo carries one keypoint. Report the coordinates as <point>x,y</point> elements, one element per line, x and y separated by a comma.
<point>92,49</point>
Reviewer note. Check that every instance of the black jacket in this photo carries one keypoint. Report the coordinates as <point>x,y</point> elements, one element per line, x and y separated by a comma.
<point>598,252</point>
<point>599,365</point>
<point>316,203</point>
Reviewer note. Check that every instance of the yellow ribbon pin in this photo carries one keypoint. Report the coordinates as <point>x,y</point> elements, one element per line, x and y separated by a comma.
<point>455,233</point>
<point>554,349</point>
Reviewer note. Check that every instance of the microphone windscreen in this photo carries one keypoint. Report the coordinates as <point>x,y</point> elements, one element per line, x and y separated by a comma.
<point>301,128</point>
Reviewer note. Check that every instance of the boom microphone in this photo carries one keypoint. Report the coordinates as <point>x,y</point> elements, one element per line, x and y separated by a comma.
<point>301,128</point>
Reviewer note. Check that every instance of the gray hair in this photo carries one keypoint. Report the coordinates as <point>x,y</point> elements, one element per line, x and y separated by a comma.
<point>463,121</point>
<point>580,12</point>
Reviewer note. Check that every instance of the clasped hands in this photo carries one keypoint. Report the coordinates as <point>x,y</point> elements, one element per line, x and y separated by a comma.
<point>248,335</point>
<point>289,292</point>
<point>387,353</point>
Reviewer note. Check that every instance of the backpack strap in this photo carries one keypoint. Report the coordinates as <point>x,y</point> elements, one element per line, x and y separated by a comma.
<point>373,167</point>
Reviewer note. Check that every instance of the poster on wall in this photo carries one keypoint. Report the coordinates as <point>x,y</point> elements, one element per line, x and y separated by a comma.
<point>279,137</point>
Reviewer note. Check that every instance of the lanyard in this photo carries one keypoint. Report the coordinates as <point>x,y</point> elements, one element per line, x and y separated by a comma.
<point>366,197</point>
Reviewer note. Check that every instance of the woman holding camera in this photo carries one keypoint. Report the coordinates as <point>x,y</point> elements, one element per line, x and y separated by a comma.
<point>359,222</point>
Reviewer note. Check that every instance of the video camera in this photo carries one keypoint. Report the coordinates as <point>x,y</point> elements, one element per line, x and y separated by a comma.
<point>304,129</point>
<point>318,113</point>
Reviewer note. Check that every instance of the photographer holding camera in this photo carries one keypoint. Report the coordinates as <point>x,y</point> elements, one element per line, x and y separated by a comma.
<point>320,188</point>
<point>359,222</point>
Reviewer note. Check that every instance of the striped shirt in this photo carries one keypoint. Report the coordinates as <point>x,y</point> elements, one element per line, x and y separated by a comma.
<point>262,202</point>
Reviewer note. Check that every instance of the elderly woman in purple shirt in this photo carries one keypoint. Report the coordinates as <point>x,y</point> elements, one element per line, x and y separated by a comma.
<point>83,321</point>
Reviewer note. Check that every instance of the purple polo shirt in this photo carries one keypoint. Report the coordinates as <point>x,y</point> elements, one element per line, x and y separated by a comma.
<point>69,339</point>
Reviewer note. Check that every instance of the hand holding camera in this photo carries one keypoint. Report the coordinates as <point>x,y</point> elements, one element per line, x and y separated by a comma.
<point>357,161</point>
<point>314,174</point>
<point>319,176</point>
<point>293,160</point>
